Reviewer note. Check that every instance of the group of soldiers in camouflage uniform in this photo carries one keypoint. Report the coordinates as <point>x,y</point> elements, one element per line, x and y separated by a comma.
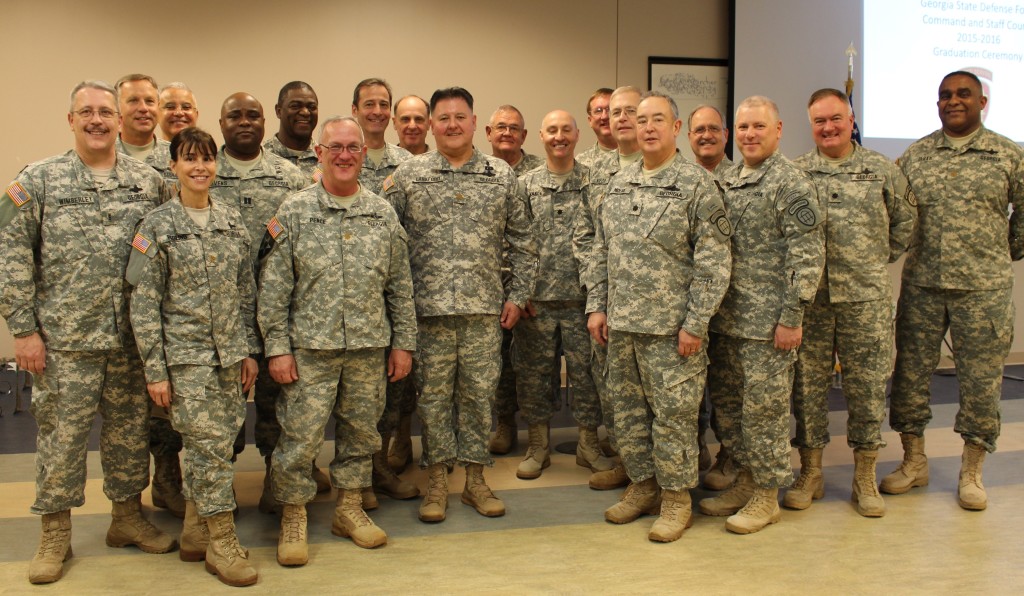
<point>340,274</point>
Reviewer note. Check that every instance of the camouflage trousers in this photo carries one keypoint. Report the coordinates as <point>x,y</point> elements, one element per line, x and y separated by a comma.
<point>657,394</point>
<point>537,339</point>
<point>400,401</point>
<point>750,383</point>
<point>599,373</point>
<point>458,369</point>
<point>65,399</point>
<point>207,407</point>
<point>861,334</point>
<point>980,325</point>
<point>267,429</point>
<point>505,403</point>
<point>351,385</point>
<point>163,439</point>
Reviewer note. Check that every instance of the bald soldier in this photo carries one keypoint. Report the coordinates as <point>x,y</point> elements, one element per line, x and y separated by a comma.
<point>256,182</point>
<point>412,121</point>
<point>555,315</point>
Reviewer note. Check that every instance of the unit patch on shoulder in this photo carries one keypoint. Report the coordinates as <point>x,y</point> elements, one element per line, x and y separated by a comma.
<point>274,228</point>
<point>18,194</point>
<point>140,243</point>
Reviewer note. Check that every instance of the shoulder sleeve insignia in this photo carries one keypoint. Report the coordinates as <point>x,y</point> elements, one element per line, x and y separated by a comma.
<point>140,243</point>
<point>388,183</point>
<point>274,227</point>
<point>18,194</point>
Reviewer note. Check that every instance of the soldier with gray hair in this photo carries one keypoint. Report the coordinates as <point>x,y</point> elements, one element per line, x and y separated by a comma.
<point>177,109</point>
<point>661,264</point>
<point>65,227</point>
<point>335,291</point>
<point>778,253</point>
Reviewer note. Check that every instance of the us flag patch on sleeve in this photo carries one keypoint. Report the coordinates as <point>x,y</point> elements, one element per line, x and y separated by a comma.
<point>274,227</point>
<point>17,193</point>
<point>388,183</point>
<point>140,243</point>
<point>317,174</point>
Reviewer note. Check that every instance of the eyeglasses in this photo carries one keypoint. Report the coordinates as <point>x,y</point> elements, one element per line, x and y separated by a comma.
<point>339,149</point>
<point>598,111</point>
<point>509,128</point>
<point>104,113</point>
<point>630,112</point>
<point>703,129</point>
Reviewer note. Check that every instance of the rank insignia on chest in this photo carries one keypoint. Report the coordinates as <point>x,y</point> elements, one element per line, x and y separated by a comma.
<point>140,243</point>
<point>17,193</point>
<point>274,227</point>
<point>247,201</point>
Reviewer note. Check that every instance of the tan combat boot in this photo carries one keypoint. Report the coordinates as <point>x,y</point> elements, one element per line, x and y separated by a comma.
<point>912,471</point>
<point>810,484</point>
<point>268,504</point>
<point>435,504</point>
<point>292,547</point>
<point>166,487</point>
<point>610,479</point>
<point>400,453</point>
<point>588,452</point>
<point>225,558</point>
<point>761,510</point>
<point>385,481</point>
<point>128,527</point>
<point>723,473</point>
<point>732,500</point>
<point>47,565</point>
<point>538,454</point>
<point>195,536</point>
<point>638,499</point>
<point>505,436</point>
<point>676,516</point>
<point>370,501</point>
<point>478,495</point>
<point>971,491</point>
<point>323,482</point>
<point>703,453</point>
<point>350,521</point>
<point>865,487</point>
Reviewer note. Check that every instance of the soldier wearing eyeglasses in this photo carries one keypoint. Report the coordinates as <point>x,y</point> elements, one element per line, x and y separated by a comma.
<point>65,226</point>
<point>598,116</point>
<point>336,290</point>
<point>256,182</point>
<point>708,134</point>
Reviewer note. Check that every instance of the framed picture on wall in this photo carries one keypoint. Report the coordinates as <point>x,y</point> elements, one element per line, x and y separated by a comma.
<point>692,82</point>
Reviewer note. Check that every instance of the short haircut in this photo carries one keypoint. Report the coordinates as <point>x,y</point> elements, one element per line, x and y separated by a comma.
<point>671,102</point>
<point>451,93</point>
<point>293,85</point>
<point>704,106</point>
<point>92,84</point>
<point>175,85</point>
<point>625,89</point>
<point>337,119</point>
<point>964,73</point>
<point>760,100</point>
<point>371,82</point>
<point>135,77</point>
<point>192,139</point>
<point>821,94</point>
<point>425,104</point>
<point>508,108</point>
<point>602,92</point>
